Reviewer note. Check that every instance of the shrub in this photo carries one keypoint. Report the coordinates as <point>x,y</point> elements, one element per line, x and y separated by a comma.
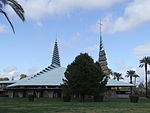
<point>98,98</point>
<point>134,98</point>
<point>66,98</point>
<point>31,98</point>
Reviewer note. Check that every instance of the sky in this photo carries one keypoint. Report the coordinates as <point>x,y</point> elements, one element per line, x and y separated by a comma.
<point>74,23</point>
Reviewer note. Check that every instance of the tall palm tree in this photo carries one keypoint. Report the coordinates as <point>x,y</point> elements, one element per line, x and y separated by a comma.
<point>117,76</point>
<point>144,63</point>
<point>130,74</point>
<point>15,6</point>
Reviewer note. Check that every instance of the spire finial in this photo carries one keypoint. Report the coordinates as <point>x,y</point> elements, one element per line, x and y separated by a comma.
<point>100,23</point>
<point>100,36</point>
<point>56,37</point>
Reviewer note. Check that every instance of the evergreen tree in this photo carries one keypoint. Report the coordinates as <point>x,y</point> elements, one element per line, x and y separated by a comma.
<point>84,77</point>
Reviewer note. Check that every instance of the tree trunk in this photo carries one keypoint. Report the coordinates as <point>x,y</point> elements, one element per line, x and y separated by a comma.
<point>131,83</point>
<point>146,79</point>
<point>118,80</point>
<point>135,81</point>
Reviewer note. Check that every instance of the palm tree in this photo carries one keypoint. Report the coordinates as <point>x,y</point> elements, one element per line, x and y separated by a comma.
<point>144,63</point>
<point>135,76</point>
<point>117,76</point>
<point>15,6</point>
<point>130,74</point>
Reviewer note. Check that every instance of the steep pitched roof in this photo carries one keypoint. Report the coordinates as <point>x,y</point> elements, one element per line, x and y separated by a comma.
<point>52,75</point>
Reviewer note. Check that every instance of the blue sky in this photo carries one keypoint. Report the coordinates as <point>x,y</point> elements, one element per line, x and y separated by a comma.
<point>126,25</point>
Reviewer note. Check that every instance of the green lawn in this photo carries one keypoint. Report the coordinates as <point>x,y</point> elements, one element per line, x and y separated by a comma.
<point>46,105</point>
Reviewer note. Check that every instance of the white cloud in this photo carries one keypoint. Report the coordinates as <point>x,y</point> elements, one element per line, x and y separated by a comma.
<point>10,72</point>
<point>136,14</point>
<point>42,8</point>
<point>13,72</point>
<point>142,49</point>
<point>9,69</point>
<point>3,29</point>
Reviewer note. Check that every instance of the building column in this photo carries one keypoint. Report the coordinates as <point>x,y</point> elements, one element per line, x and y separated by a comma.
<point>38,94</point>
<point>50,94</point>
<point>20,94</point>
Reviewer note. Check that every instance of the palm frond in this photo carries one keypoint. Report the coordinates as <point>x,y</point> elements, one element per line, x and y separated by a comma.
<point>121,78</point>
<point>145,60</point>
<point>1,5</point>
<point>141,65</point>
<point>1,11</point>
<point>3,1</point>
<point>127,76</point>
<point>17,8</point>
<point>136,76</point>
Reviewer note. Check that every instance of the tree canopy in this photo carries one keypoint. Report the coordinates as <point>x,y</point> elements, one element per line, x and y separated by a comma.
<point>23,76</point>
<point>117,76</point>
<point>84,77</point>
<point>130,73</point>
<point>4,79</point>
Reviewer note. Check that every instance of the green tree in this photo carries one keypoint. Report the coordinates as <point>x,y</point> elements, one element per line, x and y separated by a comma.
<point>84,77</point>
<point>15,6</point>
<point>117,76</point>
<point>141,89</point>
<point>4,79</point>
<point>130,74</point>
<point>141,85</point>
<point>144,63</point>
<point>23,76</point>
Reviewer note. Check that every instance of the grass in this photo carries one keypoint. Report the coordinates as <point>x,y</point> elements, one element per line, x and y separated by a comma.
<point>46,105</point>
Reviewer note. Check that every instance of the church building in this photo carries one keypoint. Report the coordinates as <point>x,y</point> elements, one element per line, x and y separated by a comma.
<point>47,83</point>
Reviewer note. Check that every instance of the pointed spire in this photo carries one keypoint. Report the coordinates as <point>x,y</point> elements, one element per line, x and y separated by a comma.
<point>101,44</point>
<point>101,47</point>
<point>102,56</point>
<point>55,58</point>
